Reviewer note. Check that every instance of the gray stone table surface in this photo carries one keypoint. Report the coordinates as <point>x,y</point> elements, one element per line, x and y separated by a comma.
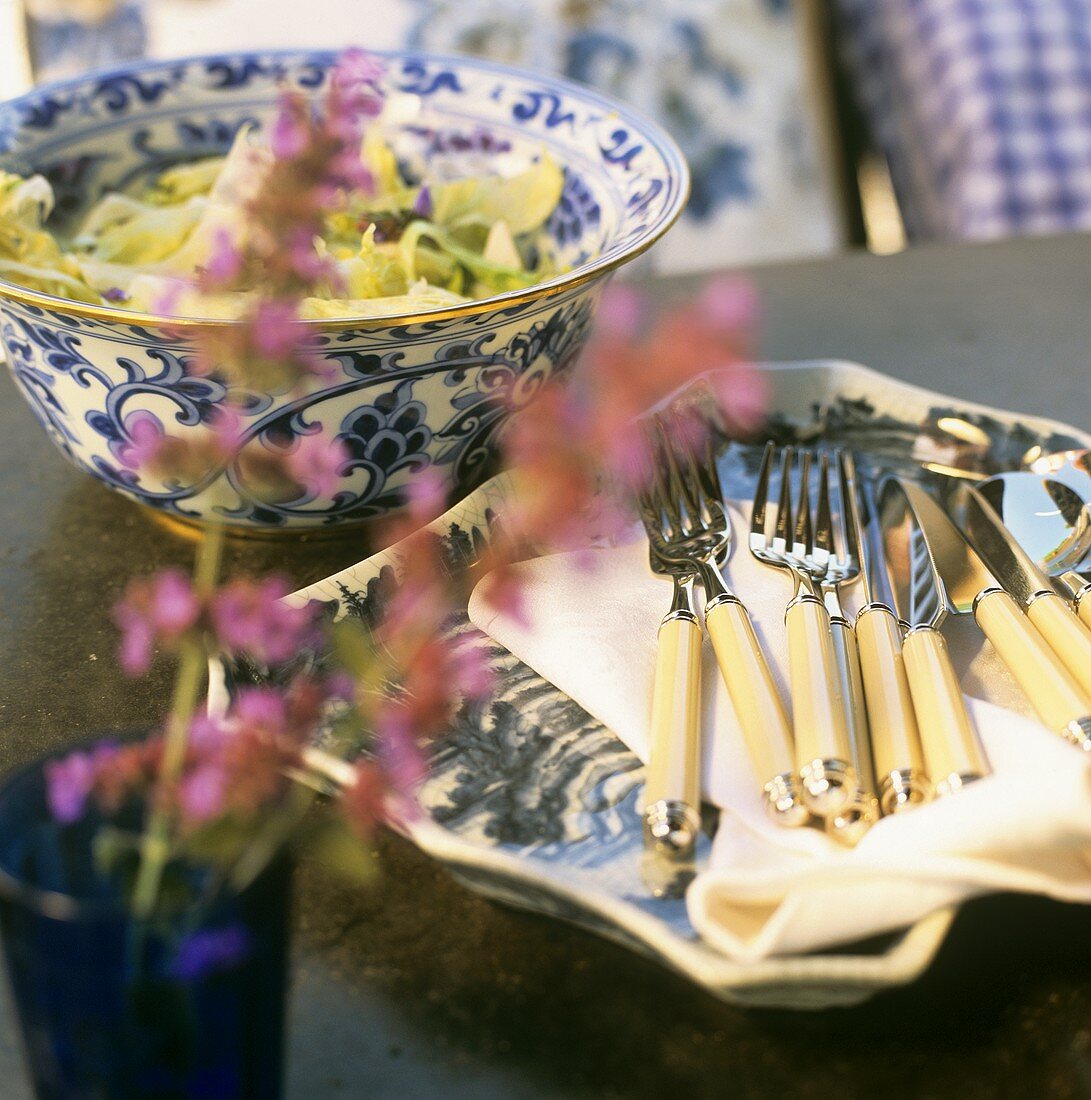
<point>418,988</point>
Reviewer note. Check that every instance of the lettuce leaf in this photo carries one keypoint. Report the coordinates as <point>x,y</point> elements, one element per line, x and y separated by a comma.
<point>524,200</point>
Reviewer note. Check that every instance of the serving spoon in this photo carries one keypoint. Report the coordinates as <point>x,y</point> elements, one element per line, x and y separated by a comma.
<point>1051,520</point>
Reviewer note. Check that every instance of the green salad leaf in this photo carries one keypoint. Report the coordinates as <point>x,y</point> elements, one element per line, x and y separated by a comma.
<point>414,242</point>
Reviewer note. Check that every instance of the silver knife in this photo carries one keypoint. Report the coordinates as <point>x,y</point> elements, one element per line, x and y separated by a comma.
<point>953,753</point>
<point>970,587</point>
<point>1069,638</point>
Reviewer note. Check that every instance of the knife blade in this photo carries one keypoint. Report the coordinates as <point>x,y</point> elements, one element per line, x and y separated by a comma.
<point>971,588</point>
<point>953,753</point>
<point>1067,636</point>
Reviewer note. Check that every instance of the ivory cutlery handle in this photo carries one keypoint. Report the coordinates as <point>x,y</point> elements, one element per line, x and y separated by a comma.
<point>953,753</point>
<point>759,707</point>
<point>1069,638</point>
<point>672,792</point>
<point>854,820</point>
<point>895,736</point>
<point>823,754</point>
<point>1053,692</point>
<point>1081,596</point>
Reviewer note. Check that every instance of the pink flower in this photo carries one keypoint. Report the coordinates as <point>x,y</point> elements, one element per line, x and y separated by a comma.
<point>225,260</point>
<point>263,708</point>
<point>472,676</point>
<point>307,262</point>
<point>166,302</point>
<point>248,617</point>
<point>318,464</point>
<point>290,132</point>
<point>276,328</point>
<point>621,312</point>
<point>161,608</point>
<point>228,435</point>
<point>728,303</point>
<point>743,395</point>
<point>355,66</point>
<point>426,495</point>
<point>364,803</point>
<point>203,792</point>
<point>353,91</point>
<point>400,752</point>
<point>145,444</point>
<point>69,781</point>
<point>207,734</point>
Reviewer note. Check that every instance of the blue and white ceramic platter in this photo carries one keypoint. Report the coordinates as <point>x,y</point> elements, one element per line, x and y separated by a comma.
<point>404,393</point>
<point>535,803</point>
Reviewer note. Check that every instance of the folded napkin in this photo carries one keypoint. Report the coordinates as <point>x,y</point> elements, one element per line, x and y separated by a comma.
<point>590,628</point>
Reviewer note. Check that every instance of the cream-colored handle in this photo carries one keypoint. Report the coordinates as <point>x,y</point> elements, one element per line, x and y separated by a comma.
<point>1051,689</point>
<point>674,755</point>
<point>822,750</point>
<point>849,825</point>
<point>1083,607</point>
<point>847,659</point>
<point>895,737</point>
<point>953,753</point>
<point>1066,635</point>
<point>757,703</point>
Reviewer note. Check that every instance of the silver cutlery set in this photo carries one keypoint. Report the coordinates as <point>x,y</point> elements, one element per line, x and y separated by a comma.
<point>878,723</point>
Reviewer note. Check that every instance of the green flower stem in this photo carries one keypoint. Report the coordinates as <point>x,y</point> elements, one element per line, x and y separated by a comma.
<point>273,834</point>
<point>192,667</point>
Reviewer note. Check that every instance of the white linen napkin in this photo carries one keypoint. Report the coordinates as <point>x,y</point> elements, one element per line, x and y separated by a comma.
<point>590,629</point>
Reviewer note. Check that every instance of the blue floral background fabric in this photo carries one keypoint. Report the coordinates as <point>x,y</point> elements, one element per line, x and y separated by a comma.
<point>982,108</point>
<point>728,78</point>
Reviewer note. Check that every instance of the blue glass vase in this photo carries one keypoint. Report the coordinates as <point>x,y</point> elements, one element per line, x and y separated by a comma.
<point>188,1006</point>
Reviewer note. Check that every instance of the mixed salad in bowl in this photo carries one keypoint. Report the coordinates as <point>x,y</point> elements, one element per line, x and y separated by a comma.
<point>448,217</point>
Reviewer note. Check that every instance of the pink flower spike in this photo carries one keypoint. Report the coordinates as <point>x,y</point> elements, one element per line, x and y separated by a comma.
<point>166,302</point>
<point>307,262</point>
<point>225,261</point>
<point>728,303</point>
<point>399,752</point>
<point>275,329</point>
<point>621,312</point>
<point>426,495</point>
<point>318,464</point>
<point>473,676</point>
<point>203,793</point>
<point>289,135</point>
<point>227,432</point>
<point>161,608</point>
<point>249,617</point>
<point>743,394</point>
<point>145,444</point>
<point>356,66</point>
<point>264,708</point>
<point>207,734</point>
<point>68,783</point>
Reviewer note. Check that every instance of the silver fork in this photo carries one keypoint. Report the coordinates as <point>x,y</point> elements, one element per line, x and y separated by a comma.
<point>701,535</point>
<point>835,537</point>
<point>672,790</point>
<point>822,748</point>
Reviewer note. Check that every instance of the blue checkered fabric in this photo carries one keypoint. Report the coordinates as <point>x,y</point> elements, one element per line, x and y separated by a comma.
<point>982,107</point>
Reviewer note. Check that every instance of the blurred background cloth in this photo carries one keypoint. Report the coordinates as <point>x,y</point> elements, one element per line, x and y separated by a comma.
<point>982,109</point>
<point>734,81</point>
<point>791,112</point>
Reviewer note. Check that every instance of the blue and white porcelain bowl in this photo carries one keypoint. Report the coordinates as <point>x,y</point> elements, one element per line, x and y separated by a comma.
<point>404,393</point>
